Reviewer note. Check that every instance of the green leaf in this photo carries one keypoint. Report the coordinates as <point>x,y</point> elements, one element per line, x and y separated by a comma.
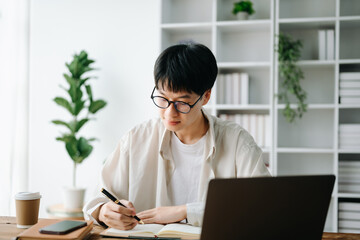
<point>71,148</point>
<point>84,148</point>
<point>243,6</point>
<point>79,105</point>
<point>65,137</point>
<point>89,92</point>
<point>96,106</point>
<point>69,79</point>
<point>59,122</point>
<point>289,52</point>
<point>64,103</point>
<point>80,124</point>
<point>82,81</point>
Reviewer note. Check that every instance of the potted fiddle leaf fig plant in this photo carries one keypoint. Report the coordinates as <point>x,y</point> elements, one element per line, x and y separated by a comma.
<point>81,106</point>
<point>243,9</point>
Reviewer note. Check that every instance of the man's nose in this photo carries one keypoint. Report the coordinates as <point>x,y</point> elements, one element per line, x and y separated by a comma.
<point>171,110</point>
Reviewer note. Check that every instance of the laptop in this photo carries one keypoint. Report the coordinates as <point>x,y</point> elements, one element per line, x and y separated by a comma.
<point>271,208</point>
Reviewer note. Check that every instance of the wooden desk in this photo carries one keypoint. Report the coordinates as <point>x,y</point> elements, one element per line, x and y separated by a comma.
<point>8,231</point>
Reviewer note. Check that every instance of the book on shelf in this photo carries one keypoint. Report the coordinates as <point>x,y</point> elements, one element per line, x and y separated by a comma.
<point>349,187</point>
<point>175,230</point>
<point>221,89</point>
<point>344,179</point>
<point>349,147</point>
<point>349,76</point>
<point>349,127</point>
<point>233,88</point>
<point>349,92</point>
<point>349,170</point>
<point>352,224</point>
<point>322,44</point>
<point>349,144</point>
<point>349,163</point>
<point>348,230</point>
<point>267,131</point>
<point>330,44</point>
<point>349,215</point>
<point>350,100</point>
<point>246,122</point>
<point>228,89</point>
<point>349,84</point>
<point>253,127</point>
<point>244,88</point>
<point>258,126</point>
<point>238,118</point>
<point>261,130</point>
<point>349,206</point>
<point>236,88</point>
<point>349,138</point>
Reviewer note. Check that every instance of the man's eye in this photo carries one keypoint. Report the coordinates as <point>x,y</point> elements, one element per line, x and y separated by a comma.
<point>182,103</point>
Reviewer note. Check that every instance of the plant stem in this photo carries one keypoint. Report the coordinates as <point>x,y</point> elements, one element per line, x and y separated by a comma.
<point>74,175</point>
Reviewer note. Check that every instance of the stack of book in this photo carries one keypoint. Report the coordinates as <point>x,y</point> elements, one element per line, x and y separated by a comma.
<point>326,44</point>
<point>349,136</point>
<point>349,217</point>
<point>349,176</point>
<point>258,125</point>
<point>233,88</point>
<point>349,87</point>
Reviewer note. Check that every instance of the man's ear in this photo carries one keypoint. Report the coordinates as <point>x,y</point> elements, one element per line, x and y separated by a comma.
<point>206,97</point>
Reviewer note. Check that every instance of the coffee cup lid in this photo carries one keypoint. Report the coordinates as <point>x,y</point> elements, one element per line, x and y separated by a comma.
<point>27,195</point>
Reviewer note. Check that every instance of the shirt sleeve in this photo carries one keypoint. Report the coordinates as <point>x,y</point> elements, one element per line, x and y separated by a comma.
<point>249,160</point>
<point>195,213</point>
<point>114,178</point>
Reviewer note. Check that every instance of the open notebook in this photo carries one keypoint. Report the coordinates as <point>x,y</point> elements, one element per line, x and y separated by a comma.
<point>177,230</point>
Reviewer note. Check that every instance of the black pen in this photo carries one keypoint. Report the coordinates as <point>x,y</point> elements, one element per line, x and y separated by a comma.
<point>117,201</point>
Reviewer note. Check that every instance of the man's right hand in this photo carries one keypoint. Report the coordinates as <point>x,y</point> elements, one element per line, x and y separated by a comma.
<point>117,216</point>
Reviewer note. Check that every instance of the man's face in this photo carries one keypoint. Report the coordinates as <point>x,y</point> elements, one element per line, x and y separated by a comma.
<point>180,122</point>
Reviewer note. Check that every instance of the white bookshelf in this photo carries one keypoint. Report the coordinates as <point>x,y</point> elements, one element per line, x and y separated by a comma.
<point>211,23</point>
<point>309,145</point>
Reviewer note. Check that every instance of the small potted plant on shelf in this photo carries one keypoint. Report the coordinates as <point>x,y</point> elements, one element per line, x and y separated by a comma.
<point>243,9</point>
<point>81,106</point>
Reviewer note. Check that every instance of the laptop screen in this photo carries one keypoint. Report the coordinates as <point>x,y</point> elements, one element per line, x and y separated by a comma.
<point>293,207</point>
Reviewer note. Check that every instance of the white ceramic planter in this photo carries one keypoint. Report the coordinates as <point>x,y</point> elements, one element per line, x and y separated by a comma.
<point>242,16</point>
<point>73,198</point>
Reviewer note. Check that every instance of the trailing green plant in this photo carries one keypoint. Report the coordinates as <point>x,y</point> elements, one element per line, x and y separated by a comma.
<point>289,52</point>
<point>243,6</point>
<point>79,100</point>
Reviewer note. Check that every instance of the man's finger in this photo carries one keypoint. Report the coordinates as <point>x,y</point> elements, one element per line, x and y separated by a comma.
<point>120,209</point>
<point>149,220</point>
<point>128,204</point>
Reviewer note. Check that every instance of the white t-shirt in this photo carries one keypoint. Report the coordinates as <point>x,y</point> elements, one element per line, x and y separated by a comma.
<point>185,179</point>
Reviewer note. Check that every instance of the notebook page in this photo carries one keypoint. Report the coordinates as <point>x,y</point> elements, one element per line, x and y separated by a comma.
<point>178,229</point>
<point>138,230</point>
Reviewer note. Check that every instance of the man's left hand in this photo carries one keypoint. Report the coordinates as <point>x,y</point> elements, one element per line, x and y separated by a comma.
<point>163,215</point>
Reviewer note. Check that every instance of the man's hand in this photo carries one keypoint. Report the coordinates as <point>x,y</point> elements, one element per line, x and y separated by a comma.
<point>164,215</point>
<point>117,216</point>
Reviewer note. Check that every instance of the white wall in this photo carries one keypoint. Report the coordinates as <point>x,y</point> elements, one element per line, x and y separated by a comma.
<point>123,37</point>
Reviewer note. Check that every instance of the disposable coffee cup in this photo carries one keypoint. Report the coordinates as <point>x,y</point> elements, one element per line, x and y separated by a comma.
<point>27,208</point>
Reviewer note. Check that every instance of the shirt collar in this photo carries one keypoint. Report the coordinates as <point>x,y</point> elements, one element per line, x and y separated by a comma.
<point>165,150</point>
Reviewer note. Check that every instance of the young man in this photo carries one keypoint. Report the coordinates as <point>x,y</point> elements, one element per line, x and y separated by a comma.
<point>163,166</point>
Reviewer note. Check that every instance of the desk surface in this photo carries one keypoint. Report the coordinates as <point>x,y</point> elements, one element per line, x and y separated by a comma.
<point>8,231</point>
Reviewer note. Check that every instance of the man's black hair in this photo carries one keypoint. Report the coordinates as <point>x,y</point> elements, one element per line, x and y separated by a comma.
<point>186,67</point>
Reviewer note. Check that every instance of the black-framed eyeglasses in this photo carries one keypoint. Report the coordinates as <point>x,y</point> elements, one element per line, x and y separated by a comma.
<point>180,106</point>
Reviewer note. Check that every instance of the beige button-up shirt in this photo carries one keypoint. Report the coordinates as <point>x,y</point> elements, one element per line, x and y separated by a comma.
<point>141,166</point>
